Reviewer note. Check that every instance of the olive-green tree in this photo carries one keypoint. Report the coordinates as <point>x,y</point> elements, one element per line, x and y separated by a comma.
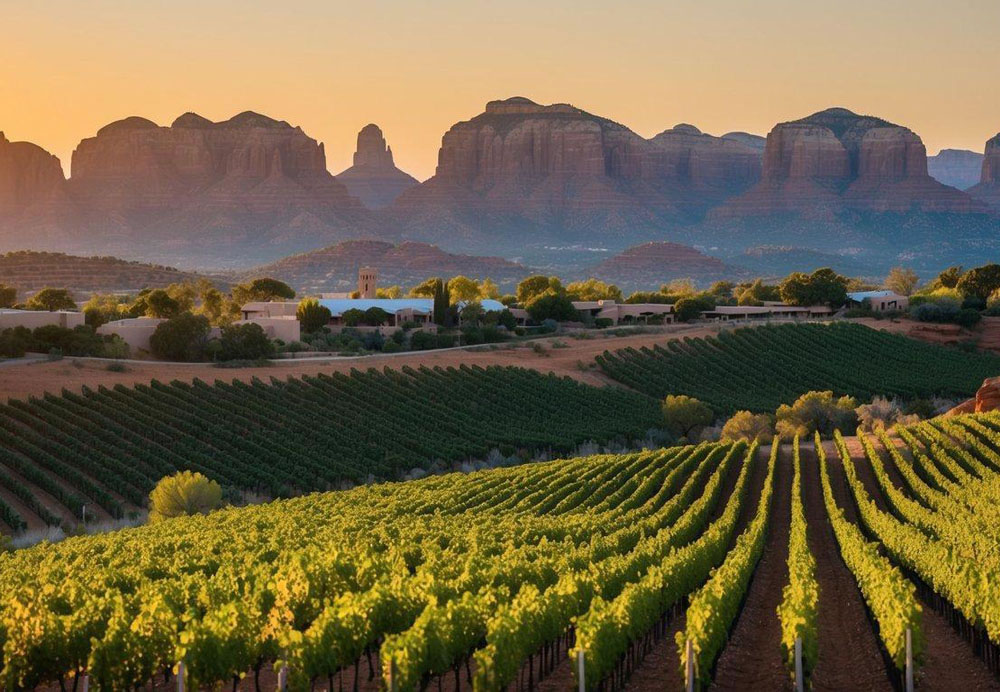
<point>816,411</point>
<point>684,415</point>
<point>51,299</point>
<point>745,425</point>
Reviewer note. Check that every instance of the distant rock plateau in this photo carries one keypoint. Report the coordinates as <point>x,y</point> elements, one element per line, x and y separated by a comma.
<point>958,168</point>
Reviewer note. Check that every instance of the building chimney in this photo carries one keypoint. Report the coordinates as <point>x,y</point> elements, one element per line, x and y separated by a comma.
<point>367,277</point>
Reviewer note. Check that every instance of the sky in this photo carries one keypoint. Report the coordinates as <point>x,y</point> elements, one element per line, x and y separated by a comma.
<point>415,68</point>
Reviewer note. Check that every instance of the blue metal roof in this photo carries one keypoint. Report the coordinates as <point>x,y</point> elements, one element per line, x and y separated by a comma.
<point>425,306</point>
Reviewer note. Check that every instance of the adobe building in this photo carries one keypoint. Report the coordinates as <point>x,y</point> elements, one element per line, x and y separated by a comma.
<point>879,301</point>
<point>30,319</point>
<point>414,313</point>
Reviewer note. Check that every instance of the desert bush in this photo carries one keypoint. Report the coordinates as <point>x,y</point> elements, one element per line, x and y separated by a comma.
<point>883,413</point>
<point>183,494</point>
<point>745,425</point>
<point>816,411</point>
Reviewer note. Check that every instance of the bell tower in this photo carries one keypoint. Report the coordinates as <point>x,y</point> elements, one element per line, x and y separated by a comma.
<point>367,278</point>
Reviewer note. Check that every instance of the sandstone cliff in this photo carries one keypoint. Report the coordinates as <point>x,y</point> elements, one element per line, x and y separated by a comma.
<point>521,171</point>
<point>988,189</point>
<point>335,268</point>
<point>836,161</point>
<point>33,200</point>
<point>708,168</point>
<point>197,184</point>
<point>753,141</point>
<point>956,167</point>
<point>374,178</point>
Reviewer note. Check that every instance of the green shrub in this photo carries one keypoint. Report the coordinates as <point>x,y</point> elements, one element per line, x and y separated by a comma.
<point>183,494</point>
<point>183,338</point>
<point>968,317</point>
<point>816,411</point>
<point>244,342</point>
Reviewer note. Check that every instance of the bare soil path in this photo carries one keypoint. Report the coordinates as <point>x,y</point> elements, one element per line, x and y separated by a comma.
<point>661,668</point>
<point>949,663</point>
<point>752,657</point>
<point>849,656</point>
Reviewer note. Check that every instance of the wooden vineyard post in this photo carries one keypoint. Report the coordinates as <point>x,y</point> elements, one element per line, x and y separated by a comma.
<point>909,660</point>
<point>283,677</point>
<point>580,670</point>
<point>689,666</point>
<point>86,683</point>
<point>799,682</point>
<point>180,677</point>
<point>392,676</point>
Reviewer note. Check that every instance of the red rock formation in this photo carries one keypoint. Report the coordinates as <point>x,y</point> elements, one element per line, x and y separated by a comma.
<point>988,189</point>
<point>753,141</point>
<point>956,167</point>
<point>834,161</point>
<point>987,399</point>
<point>28,175</point>
<point>335,268</point>
<point>651,264</point>
<point>709,168</point>
<point>33,200</point>
<point>374,178</point>
<point>523,170</point>
<point>250,179</point>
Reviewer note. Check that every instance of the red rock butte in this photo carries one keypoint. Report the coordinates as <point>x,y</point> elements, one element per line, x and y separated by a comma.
<point>836,160</point>
<point>988,189</point>
<point>374,178</point>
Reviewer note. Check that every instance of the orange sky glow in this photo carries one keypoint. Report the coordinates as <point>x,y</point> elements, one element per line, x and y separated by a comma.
<point>69,67</point>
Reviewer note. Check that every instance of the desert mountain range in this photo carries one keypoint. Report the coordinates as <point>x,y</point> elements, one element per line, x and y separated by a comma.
<point>527,181</point>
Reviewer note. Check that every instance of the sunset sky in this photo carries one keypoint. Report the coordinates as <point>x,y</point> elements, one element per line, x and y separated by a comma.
<point>69,67</point>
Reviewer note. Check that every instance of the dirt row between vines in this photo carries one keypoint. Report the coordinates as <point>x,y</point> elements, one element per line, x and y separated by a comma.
<point>661,668</point>
<point>949,663</point>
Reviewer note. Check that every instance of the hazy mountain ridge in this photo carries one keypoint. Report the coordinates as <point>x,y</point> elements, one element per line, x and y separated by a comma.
<point>512,180</point>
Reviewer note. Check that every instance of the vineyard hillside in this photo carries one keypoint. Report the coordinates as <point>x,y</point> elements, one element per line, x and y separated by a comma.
<point>760,368</point>
<point>31,271</point>
<point>860,562</point>
<point>107,448</point>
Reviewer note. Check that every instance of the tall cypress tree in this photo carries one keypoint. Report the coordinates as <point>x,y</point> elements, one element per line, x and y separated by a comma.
<point>440,302</point>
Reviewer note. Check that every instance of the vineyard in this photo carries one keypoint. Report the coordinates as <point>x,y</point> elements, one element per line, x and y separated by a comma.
<point>759,368</point>
<point>861,563</point>
<point>106,449</point>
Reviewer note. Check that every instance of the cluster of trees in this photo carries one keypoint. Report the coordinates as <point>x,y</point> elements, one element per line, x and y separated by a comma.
<point>46,300</point>
<point>197,298</point>
<point>956,295</point>
<point>186,338</point>
<point>56,340</point>
<point>822,412</point>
